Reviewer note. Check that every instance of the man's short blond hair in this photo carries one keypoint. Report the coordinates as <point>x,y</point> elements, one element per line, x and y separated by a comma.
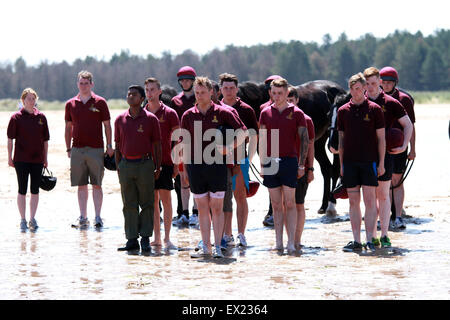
<point>280,83</point>
<point>359,77</point>
<point>370,72</point>
<point>204,82</point>
<point>27,91</point>
<point>83,74</point>
<point>153,80</point>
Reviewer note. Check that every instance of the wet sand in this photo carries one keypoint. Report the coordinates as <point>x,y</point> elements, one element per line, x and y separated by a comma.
<point>59,262</point>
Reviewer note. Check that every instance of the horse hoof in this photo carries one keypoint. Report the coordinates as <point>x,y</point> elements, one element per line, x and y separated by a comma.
<point>331,210</point>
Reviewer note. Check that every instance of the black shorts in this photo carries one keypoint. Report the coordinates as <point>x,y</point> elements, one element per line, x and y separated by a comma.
<point>165,178</point>
<point>300,190</point>
<point>207,177</point>
<point>286,174</point>
<point>388,167</point>
<point>399,162</point>
<point>25,169</point>
<point>360,174</point>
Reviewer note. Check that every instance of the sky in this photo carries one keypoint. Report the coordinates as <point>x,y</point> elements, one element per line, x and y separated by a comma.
<point>53,31</point>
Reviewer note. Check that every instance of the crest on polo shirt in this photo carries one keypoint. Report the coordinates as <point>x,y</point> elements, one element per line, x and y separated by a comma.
<point>93,108</point>
<point>140,129</point>
<point>289,117</point>
<point>214,120</point>
<point>40,122</point>
<point>383,108</point>
<point>366,118</point>
<point>162,119</point>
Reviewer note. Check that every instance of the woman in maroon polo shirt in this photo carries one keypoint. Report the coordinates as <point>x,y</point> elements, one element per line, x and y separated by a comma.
<point>28,127</point>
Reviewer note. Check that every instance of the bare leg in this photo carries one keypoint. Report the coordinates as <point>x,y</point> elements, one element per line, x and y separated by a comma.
<point>216,205</point>
<point>354,198</point>
<point>166,199</point>
<point>291,215</point>
<point>82,200</point>
<point>204,220</point>
<point>384,206</point>
<point>97,196</point>
<point>300,224</point>
<point>21,204</point>
<point>399,194</point>
<point>34,201</point>
<point>240,194</point>
<point>277,207</point>
<point>156,224</point>
<point>370,216</point>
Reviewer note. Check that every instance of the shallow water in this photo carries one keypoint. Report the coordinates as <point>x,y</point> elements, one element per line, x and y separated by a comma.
<point>60,262</point>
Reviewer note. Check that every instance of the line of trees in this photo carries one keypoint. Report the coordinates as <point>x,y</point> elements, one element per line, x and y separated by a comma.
<point>423,63</point>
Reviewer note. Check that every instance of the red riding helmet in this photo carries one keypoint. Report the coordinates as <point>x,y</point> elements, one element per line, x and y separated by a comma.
<point>389,74</point>
<point>271,78</point>
<point>186,72</point>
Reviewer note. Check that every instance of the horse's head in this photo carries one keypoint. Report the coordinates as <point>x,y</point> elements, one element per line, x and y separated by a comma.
<point>253,94</point>
<point>167,94</point>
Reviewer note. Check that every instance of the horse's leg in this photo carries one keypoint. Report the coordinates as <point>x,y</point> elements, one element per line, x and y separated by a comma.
<point>325,168</point>
<point>335,171</point>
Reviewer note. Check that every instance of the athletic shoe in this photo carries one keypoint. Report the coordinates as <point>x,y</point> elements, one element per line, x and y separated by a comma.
<point>229,239</point>
<point>33,225</point>
<point>399,223</point>
<point>204,250</point>
<point>385,242</point>
<point>223,243</point>
<point>376,242</point>
<point>242,240</point>
<point>131,245</point>
<point>217,252</point>
<point>23,225</point>
<point>268,221</point>
<point>182,220</point>
<point>98,222</point>
<point>369,245</point>
<point>353,246</point>
<point>81,223</point>
<point>193,220</point>
<point>199,245</point>
<point>145,244</point>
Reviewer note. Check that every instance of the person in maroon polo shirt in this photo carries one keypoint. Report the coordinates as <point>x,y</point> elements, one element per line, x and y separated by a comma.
<point>240,180</point>
<point>204,160</point>
<point>361,145</point>
<point>137,136</point>
<point>168,122</point>
<point>85,114</point>
<point>268,219</point>
<point>389,80</point>
<point>281,124</point>
<point>392,111</point>
<point>28,135</point>
<point>303,182</point>
<point>180,103</point>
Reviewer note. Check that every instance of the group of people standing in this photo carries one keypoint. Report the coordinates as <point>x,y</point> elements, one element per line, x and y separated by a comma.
<point>186,147</point>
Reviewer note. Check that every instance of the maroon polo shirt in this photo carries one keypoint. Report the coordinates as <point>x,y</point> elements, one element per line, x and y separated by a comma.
<point>359,124</point>
<point>30,131</point>
<point>407,103</point>
<point>180,103</point>
<point>246,114</point>
<point>287,122</point>
<point>135,136</point>
<point>392,109</point>
<point>168,121</point>
<point>217,115</point>
<point>87,119</point>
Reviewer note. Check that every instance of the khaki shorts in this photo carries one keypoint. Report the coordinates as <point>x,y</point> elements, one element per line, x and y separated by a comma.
<point>86,166</point>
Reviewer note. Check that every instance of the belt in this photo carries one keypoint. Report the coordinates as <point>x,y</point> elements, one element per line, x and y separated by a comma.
<point>137,158</point>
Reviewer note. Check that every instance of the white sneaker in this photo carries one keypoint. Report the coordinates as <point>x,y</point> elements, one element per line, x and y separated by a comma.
<point>399,223</point>
<point>217,252</point>
<point>181,221</point>
<point>242,240</point>
<point>229,240</point>
<point>193,220</point>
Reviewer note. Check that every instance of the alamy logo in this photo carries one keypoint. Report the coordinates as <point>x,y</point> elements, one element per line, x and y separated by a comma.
<point>224,148</point>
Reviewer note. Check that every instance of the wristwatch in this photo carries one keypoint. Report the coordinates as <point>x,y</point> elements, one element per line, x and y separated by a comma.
<point>310,168</point>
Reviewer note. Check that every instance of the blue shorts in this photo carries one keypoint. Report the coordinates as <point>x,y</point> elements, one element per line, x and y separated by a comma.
<point>245,167</point>
<point>286,174</point>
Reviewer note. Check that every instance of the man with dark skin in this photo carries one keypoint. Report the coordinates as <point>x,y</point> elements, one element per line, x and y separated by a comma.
<point>138,160</point>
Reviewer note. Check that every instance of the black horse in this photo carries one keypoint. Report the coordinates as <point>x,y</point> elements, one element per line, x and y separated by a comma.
<point>316,99</point>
